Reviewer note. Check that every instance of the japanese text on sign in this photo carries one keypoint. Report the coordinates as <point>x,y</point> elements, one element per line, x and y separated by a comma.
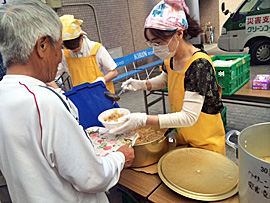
<point>258,23</point>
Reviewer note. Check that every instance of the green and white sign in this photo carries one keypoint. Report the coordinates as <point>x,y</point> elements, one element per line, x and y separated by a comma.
<point>258,23</point>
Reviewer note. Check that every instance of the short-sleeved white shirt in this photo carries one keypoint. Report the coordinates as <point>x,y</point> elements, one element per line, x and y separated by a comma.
<point>104,59</point>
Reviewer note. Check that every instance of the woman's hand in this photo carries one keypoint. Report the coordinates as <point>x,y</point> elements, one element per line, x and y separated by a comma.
<point>131,121</point>
<point>134,85</point>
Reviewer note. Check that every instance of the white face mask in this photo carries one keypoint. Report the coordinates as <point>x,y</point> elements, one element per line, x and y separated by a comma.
<point>162,51</point>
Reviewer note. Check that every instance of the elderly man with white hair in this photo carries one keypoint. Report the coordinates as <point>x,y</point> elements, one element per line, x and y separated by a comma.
<point>2,68</point>
<point>45,155</point>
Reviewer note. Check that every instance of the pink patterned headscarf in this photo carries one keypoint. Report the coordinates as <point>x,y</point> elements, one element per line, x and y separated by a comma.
<point>168,15</point>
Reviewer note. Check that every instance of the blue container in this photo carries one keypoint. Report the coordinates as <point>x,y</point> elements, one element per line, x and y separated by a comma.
<point>90,102</point>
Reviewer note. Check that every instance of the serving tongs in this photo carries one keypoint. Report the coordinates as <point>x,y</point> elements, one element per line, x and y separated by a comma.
<point>113,97</point>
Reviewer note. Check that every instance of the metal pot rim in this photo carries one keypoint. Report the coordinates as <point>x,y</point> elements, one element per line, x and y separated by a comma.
<point>158,140</point>
<point>241,137</point>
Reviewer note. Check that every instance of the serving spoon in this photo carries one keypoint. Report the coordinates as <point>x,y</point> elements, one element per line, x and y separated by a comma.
<point>113,97</point>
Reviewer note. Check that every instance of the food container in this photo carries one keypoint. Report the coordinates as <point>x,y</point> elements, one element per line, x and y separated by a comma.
<point>261,82</point>
<point>112,124</point>
<point>149,153</point>
<point>254,172</point>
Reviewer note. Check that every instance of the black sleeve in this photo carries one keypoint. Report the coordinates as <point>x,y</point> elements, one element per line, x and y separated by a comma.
<point>200,77</point>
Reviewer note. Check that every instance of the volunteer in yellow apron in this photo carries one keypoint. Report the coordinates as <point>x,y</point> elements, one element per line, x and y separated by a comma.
<point>85,69</point>
<point>208,132</point>
<point>194,96</point>
<point>84,60</point>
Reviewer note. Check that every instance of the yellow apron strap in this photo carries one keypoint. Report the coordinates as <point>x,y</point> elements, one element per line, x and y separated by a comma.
<point>109,85</point>
<point>93,52</point>
<point>199,55</point>
<point>167,63</point>
<point>67,53</point>
<point>95,49</point>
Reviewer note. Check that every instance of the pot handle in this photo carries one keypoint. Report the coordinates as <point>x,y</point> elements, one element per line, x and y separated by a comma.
<point>165,135</point>
<point>168,131</point>
<point>228,136</point>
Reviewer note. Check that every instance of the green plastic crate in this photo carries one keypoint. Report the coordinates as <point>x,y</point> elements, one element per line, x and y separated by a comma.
<point>234,77</point>
<point>224,116</point>
<point>229,86</point>
<point>246,76</point>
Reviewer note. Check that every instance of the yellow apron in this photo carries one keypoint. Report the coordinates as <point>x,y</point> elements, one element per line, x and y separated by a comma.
<point>208,132</point>
<point>85,69</point>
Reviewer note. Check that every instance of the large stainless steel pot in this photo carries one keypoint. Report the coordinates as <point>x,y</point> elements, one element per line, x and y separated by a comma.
<point>150,152</point>
<point>254,173</point>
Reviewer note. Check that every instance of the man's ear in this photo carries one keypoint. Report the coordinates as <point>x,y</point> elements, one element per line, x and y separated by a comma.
<point>42,45</point>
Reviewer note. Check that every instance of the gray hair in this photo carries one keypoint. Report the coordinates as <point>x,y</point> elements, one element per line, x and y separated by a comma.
<point>21,24</point>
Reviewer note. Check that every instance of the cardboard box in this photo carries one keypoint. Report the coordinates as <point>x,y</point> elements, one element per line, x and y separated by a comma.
<point>261,82</point>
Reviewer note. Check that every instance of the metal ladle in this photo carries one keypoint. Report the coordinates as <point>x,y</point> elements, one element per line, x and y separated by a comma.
<point>113,97</point>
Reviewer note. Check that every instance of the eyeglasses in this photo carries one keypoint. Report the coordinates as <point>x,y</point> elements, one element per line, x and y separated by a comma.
<point>153,44</point>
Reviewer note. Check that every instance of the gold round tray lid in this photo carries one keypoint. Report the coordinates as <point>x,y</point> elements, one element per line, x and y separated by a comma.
<point>199,174</point>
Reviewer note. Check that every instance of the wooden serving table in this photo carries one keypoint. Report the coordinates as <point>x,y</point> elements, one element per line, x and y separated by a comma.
<point>151,188</point>
<point>139,182</point>
<point>246,93</point>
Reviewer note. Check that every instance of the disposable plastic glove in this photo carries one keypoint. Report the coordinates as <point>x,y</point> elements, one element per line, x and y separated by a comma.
<point>134,85</point>
<point>100,79</point>
<point>131,121</point>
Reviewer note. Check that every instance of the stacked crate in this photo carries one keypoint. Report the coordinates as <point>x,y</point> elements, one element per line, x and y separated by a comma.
<point>233,73</point>
<point>224,116</point>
